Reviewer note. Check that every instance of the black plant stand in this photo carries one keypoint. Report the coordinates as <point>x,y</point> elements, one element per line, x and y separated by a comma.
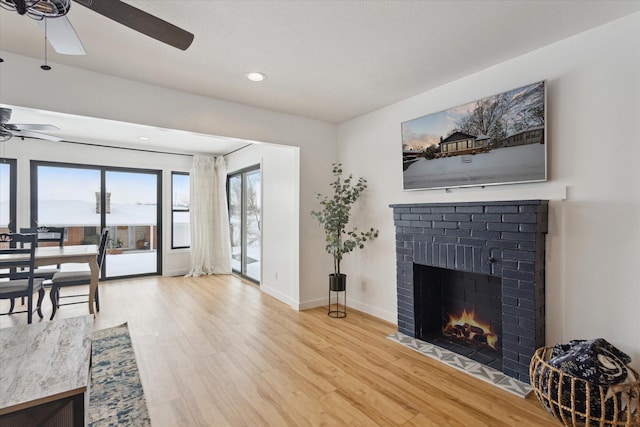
<point>338,285</point>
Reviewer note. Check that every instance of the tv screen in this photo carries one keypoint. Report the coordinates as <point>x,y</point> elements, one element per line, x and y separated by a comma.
<point>500,139</point>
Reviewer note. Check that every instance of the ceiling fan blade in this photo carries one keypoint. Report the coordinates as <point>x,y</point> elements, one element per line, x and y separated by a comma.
<point>38,135</point>
<point>62,36</point>
<point>5,115</point>
<point>30,126</point>
<point>141,21</point>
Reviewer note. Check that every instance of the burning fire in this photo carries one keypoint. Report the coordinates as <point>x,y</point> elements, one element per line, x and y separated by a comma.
<point>467,327</point>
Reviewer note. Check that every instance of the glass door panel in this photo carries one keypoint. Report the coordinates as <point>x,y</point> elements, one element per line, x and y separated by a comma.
<point>131,214</point>
<point>69,197</point>
<point>235,221</point>
<point>253,216</point>
<point>245,216</point>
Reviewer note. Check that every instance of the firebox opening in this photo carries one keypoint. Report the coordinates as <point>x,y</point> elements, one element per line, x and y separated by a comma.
<point>469,327</point>
<point>460,311</point>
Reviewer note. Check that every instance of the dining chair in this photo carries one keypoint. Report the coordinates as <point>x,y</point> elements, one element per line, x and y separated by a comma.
<point>76,278</point>
<point>17,256</point>
<point>46,236</point>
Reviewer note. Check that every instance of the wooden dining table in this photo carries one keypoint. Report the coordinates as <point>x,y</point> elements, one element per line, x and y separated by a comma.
<point>80,254</point>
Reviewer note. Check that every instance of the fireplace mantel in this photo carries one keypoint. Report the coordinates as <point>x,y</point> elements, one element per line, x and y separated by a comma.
<point>504,239</point>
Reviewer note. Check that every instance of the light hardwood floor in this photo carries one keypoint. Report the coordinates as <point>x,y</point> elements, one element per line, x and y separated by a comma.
<point>215,351</point>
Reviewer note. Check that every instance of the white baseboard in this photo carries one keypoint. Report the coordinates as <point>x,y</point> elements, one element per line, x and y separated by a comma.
<point>174,273</point>
<point>278,295</point>
<point>308,305</point>
<point>388,316</point>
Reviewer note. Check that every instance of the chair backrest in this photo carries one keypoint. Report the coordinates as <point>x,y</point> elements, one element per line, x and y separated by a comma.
<point>53,235</point>
<point>102,249</point>
<point>17,254</point>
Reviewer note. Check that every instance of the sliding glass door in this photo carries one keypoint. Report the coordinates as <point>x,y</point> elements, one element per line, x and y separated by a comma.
<point>84,199</point>
<point>245,217</point>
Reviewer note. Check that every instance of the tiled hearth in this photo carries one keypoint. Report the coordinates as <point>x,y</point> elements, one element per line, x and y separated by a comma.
<point>462,363</point>
<point>502,240</point>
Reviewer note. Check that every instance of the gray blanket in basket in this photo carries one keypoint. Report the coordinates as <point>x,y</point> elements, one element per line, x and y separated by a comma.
<point>598,363</point>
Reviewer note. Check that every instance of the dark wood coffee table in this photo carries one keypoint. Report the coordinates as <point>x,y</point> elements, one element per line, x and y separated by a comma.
<point>45,372</point>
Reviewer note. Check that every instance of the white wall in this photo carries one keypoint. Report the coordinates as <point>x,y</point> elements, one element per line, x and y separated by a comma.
<point>174,262</point>
<point>279,168</point>
<point>593,245</point>
<point>74,91</point>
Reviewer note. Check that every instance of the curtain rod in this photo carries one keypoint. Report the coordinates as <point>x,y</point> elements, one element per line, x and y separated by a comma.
<point>143,149</point>
<point>126,148</point>
<point>237,149</point>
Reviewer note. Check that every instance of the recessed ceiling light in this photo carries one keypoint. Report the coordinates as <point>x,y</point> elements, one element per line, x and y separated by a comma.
<point>256,77</point>
<point>143,138</point>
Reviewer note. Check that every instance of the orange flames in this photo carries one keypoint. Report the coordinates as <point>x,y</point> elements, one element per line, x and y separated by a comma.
<point>467,327</point>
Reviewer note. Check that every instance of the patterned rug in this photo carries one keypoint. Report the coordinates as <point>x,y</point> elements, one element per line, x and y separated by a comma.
<point>116,397</point>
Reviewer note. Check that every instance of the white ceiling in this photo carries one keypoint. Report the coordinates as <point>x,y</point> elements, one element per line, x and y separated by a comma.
<point>327,60</point>
<point>88,130</point>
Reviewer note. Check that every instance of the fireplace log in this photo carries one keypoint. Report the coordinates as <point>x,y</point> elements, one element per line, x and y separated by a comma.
<point>467,330</point>
<point>477,330</point>
<point>480,338</point>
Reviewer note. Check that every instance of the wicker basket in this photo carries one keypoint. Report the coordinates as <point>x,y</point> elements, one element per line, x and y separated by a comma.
<point>616,405</point>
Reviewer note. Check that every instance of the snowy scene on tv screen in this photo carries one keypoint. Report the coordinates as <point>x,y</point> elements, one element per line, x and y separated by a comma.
<point>495,140</point>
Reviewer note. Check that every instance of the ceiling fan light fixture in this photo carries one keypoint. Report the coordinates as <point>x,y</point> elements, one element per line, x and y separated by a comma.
<point>38,9</point>
<point>44,8</point>
<point>255,76</point>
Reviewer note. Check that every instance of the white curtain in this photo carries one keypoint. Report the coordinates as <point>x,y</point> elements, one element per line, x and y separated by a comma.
<point>210,241</point>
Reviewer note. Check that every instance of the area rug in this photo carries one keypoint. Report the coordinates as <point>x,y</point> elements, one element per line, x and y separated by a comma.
<point>116,397</point>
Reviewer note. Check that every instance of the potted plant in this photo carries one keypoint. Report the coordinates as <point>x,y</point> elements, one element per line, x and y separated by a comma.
<point>334,217</point>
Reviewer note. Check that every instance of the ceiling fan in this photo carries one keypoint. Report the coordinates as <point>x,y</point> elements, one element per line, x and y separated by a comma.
<point>51,16</point>
<point>9,130</point>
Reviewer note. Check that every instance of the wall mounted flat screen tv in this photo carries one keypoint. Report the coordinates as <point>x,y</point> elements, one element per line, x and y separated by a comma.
<point>500,139</point>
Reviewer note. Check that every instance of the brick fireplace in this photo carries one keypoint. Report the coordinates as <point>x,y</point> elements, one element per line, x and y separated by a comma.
<point>499,243</point>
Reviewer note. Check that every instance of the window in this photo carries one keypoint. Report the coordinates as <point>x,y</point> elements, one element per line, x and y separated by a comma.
<point>180,202</point>
<point>8,192</point>
<point>245,215</point>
